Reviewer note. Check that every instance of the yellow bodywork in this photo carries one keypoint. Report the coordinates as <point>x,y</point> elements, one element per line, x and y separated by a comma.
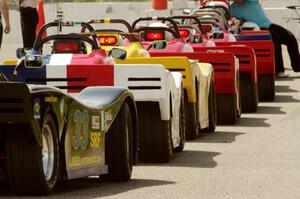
<point>10,62</point>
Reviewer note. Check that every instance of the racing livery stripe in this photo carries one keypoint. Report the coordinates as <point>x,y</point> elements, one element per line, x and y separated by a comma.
<point>58,72</point>
<point>89,75</point>
<point>60,59</point>
<point>57,69</point>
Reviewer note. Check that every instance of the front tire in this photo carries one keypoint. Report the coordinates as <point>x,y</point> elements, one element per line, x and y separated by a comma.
<point>119,147</point>
<point>33,170</point>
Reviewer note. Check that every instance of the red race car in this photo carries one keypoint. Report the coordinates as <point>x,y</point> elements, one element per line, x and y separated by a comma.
<point>245,55</point>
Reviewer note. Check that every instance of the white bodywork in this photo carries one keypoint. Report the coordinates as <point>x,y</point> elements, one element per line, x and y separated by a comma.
<point>170,84</point>
<point>147,82</point>
<point>203,73</point>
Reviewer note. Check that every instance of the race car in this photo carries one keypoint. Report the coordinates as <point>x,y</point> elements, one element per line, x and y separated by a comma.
<point>137,54</point>
<point>259,40</point>
<point>157,91</point>
<point>225,77</point>
<point>48,134</point>
<point>245,55</point>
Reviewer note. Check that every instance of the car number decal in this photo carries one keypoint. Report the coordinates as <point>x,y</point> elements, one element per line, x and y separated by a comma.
<point>81,138</point>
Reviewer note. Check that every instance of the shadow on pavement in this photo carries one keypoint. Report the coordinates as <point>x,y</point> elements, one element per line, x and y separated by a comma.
<point>269,110</point>
<point>290,78</point>
<point>252,122</point>
<point>198,159</point>
<point>189,158</point>
<point>284,89</point>
<point>217,137</point>
<point>285,99</point>
<point>94,188</point>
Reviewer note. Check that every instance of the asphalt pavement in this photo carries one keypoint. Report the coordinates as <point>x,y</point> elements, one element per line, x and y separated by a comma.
<point>256,158</point>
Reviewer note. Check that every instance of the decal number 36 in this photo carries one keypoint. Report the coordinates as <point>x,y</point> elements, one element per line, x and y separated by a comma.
<point>81,138</point>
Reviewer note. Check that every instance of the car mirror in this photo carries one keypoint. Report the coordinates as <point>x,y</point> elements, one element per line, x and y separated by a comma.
<point>33,61</point>
<point>118,53</point>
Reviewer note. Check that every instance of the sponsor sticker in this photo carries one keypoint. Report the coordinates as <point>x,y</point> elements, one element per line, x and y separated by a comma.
<point>108,116</point>
<point>95,122</point>
<point>51,99</point>
<point>37,108</point>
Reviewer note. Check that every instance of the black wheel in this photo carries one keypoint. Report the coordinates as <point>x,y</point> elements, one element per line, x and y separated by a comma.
<point>227,109</point>
<point>191,123</point>
<point>155,134</point>
<point>266,87</point>
<point>33,170</point>
<point>212,110</point>
<point>181,125</point>
<point>119,147</point>
<point>249,95</point>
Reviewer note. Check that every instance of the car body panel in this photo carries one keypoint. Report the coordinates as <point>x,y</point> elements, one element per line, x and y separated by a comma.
<point>245,55</point>
<point>264,51</point>
<point>82,121</point>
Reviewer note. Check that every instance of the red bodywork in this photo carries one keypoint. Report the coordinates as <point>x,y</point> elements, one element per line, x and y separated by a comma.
<point>89,75</point>
<point>264,51</point>
<point>85,70</point>
<point>246,56</point>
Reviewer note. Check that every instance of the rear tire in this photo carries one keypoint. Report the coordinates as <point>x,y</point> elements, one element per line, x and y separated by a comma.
<point>155,134</point>
<point>181,125</point>
<point>249,95</point>
<point>266,88</point>
<point>212,108</point>
<point>33,170</point>
<point>227,112</point>
<point>191,123</point>
<point>119,147</point>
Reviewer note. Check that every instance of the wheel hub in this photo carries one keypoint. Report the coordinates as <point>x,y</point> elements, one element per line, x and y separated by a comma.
<point>47,152</point>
